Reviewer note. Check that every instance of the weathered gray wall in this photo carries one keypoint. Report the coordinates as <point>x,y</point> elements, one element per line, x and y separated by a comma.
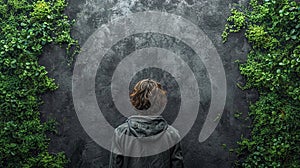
<point>210,16</point>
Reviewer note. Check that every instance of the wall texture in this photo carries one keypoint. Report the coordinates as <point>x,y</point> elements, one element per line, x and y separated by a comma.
<point>210,16</point>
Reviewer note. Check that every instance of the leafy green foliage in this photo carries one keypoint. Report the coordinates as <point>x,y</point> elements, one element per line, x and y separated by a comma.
<point>272,28</point>
<point>237,20</point>
<point>25,28</point>
<point>275,133</point>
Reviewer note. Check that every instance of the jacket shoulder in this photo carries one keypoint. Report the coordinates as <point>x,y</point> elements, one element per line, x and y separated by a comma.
<point>174,133</point>
<point>121,129</point>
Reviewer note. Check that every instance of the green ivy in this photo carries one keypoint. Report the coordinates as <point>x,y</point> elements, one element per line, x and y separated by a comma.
<point>26,26</point>
<point>272,29</point>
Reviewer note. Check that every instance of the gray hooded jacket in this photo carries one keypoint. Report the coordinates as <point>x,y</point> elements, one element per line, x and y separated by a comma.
<point>144,142</point>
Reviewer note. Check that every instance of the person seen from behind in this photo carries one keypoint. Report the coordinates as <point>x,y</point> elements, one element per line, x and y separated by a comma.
<point>138,143</point>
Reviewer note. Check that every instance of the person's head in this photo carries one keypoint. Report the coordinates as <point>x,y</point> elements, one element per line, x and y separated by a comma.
<point>146,94</point>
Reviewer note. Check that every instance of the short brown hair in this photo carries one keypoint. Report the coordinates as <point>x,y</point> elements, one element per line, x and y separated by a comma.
<point>139,97</point>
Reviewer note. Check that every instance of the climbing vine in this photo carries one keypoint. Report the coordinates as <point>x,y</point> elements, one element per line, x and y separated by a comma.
<point>26,26</point>
<point>272,28</point>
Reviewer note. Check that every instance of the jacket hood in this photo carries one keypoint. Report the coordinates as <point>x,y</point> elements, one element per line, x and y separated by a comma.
<point>145,126</point>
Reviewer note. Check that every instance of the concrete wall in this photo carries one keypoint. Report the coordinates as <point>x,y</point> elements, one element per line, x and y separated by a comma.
<point>210,16</point>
